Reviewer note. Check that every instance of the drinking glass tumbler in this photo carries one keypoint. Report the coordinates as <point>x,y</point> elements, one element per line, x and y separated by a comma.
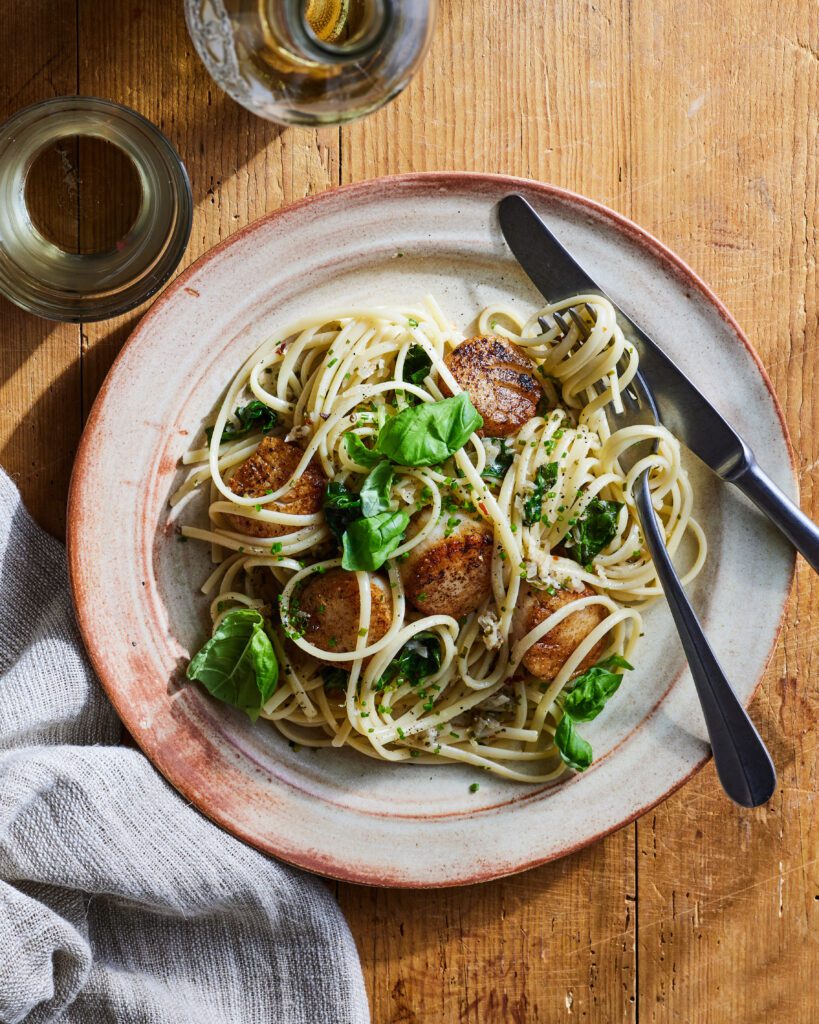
<point>311,62</point>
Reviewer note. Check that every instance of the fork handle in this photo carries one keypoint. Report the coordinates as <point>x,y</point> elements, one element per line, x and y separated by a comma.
<point>782,512</point>
<point>743,763</point>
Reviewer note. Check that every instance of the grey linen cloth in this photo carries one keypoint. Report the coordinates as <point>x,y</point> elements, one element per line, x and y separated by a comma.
<point>118,901</point>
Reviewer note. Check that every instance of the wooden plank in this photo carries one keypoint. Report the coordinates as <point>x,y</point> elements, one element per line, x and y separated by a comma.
<point>39,367</point>
<point>525,92</point>
<point>724,156</point>
<point>554,944</point>
<point>240,166</point>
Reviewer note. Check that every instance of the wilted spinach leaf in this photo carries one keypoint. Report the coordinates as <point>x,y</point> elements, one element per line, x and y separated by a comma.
<point>253,416</point>
<point>341,507</point>
<point>417,365</point>
<point>335,678</point>
<point>596,528</point>
<point>418,658</point>
<point>499,466</point>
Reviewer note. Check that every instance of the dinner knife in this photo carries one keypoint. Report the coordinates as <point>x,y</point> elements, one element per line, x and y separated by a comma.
<point>683,407</point>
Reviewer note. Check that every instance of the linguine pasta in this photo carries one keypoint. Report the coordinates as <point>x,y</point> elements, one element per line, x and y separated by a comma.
<point>346,373</point>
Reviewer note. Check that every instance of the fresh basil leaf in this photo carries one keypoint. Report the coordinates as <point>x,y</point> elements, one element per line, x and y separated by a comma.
<point>614,661</point>
<point>573,749</point>
<point>368,543</point>
<point>596,528</point>
<point>545,478</point>
<point>341,507</point>
<point>418,658</point>
<point>359,452</point>
<point>417,365</point>
<point>253,416</point>
<point>238,664</point>
<point>498,468</point>
<point>375,491</point>
<point>335,679</point>
<point>591,691</point>
<point>427,434</point>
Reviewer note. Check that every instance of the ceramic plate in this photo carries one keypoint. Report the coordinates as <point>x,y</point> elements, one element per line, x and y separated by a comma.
<point>137,589</point>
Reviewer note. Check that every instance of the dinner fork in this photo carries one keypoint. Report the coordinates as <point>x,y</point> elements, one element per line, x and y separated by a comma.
<point>743,764</point>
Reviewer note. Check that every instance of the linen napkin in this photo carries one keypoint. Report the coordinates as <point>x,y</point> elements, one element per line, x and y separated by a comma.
<point>118,901</point>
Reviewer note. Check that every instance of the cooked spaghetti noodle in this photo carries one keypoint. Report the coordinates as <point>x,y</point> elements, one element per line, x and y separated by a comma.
<point>346,373</point>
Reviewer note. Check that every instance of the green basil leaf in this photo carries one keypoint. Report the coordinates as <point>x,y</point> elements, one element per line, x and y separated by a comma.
<point>417,365</point>
<point>591,691</point>
<point>573,749</point>
<point>596,528</point>
<point>498,468</point>
<point>375,491</point>
<point>238,664</point>
<point>545,478</point>
<point>341,507</point>
<point>426,435</point>
<point>359,452</point>
<point>368,543</point>
<point>253,416</point>
<point>614,661</point>
<point>418,658</point>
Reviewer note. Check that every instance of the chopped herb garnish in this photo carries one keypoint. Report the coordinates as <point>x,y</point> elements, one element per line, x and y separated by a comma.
<point>545,477</point>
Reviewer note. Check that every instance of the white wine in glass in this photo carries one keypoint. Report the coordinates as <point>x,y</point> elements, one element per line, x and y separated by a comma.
<point>311,61</point>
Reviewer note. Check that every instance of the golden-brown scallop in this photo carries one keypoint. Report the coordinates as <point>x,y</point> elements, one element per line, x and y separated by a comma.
<point>268,469</point>
<point>545,658</point>
<point>329,606</point>
<point>450,575</point>
<point>501,382</point>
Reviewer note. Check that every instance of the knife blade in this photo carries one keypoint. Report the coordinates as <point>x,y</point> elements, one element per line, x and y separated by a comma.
<point>683,408</point>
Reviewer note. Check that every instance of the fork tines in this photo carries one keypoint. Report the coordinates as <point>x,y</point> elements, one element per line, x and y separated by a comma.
<point>564,326</point>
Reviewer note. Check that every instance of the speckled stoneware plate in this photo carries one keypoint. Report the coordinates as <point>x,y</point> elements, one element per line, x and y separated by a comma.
<point>137,589</point>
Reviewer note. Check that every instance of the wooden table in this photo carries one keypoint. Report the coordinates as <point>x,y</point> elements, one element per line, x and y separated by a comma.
<point>696,119</point>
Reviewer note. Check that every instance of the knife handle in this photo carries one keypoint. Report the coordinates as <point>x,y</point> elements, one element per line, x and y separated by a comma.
<point>742,761</point>
<point>782,512</point>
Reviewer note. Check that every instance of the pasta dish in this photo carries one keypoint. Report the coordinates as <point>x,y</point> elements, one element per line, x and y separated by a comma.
<point>424,545</point>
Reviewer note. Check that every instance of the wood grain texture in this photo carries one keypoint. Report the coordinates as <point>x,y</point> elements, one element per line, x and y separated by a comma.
<point>40,419</point>
<point>728,909</point>
<point>697,119</point>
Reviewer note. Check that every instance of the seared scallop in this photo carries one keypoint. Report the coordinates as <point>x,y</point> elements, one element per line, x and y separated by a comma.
<point>501,382</point>
<point>545,658</point>
<point>450,575</point>
<point>268,469</point>
<point>329,607</point>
